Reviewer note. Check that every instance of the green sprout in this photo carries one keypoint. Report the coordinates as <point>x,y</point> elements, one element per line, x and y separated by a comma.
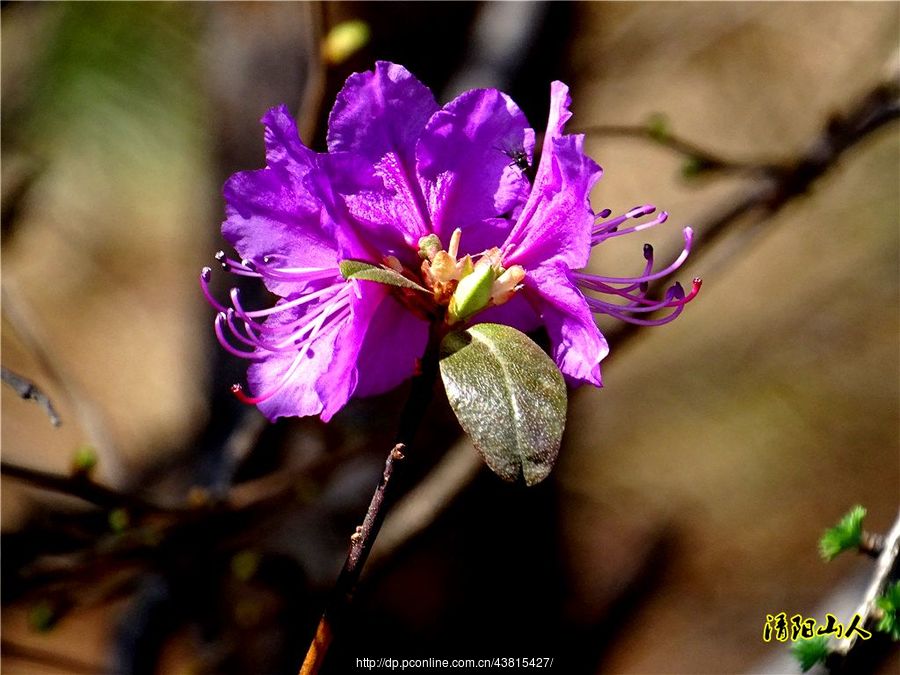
<point>42,616</point>
<point>84,460</point>
<point>118,520</point>
<point>889,603</point>
<point>810,652</point>
<point>658,126</point>
<point>693,167</point>
<point>844,536</point>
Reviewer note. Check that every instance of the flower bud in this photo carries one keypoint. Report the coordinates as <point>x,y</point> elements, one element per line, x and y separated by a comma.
<point>472,294</point>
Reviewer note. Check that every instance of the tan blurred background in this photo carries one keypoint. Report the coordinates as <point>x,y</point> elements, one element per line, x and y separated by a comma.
<point>736,434</point>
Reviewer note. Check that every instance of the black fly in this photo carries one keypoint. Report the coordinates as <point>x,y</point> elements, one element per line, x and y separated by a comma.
<point>520,161</point>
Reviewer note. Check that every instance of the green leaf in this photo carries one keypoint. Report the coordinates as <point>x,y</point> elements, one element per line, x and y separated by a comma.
<point>889,604</point>
<point>509,397</point>
<point>844,536</point>
<point>810,652</point>
<point>356,269</point>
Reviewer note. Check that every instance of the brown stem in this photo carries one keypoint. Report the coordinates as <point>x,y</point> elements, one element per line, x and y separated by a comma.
<point>885,570</point>
<point>705,159</point>
<point>871,543</point>
<point>361,543</point>
<point>79,486</point>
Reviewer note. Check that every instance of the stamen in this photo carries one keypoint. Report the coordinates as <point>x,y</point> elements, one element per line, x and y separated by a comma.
<point>649,322</point>
<point>238,390</point>
<point>453,248</point>
<point>610,229</point>
<point>220,335</point>
<point>679,261</point>
<point>205,276</point>
<point>303,299</point>
<point>316,331</point>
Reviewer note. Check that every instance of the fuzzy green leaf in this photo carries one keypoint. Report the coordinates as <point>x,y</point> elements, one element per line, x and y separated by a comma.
<point>355,269</point>
<point>810,652</point>
<point>509,397</point>
<point>844,536</point>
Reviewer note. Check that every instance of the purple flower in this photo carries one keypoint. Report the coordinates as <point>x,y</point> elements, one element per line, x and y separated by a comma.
<point>438,195</point>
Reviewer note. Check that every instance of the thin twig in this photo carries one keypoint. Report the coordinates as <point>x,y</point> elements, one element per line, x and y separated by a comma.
<point>415,512</point>
<point>79,486</point>
<point>361,543</point>
<point>28,390</point>
<point>87,412</point>
<point>783,183</point>
<point>885,569</point>
<point>705,160</point>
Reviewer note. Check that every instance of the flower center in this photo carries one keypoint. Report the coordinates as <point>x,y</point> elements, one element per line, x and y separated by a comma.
<point>466,285</point>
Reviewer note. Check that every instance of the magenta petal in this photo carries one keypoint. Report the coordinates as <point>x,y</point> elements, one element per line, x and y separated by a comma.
<point>338,383</point>
<point>577,345</point>
<point>518,313</point>
<point>556,222</point>
<point>379,115</point>
<point>394,213</point>
<point>467,168</point>
<point>297,395</point>
<point>395,340</point>
<point>380,112</point>
<point>271,211</point>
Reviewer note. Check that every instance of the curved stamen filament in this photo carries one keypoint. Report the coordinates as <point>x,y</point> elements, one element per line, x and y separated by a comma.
<point>205,276</point>
<point>284,306</point>
<point>316,332</point>
<point>338,308</point>
<point>602,235</point>
<point>652,306</point>
<point>621,316</point>
<point>636,212</point>
<point>679,261</point>
<point>223,340</point>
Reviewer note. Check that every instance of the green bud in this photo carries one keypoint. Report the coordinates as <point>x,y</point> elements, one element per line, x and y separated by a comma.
<point>84,460</point>
<point>810,652</point>
<point>472,294</point>
<point>118,520</point>
<point>658,126</point>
